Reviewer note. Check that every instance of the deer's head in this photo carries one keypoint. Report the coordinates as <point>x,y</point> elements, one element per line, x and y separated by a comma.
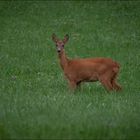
<point>60,43</point>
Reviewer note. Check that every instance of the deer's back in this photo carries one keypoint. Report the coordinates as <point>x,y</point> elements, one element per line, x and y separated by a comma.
<point>92,62</point>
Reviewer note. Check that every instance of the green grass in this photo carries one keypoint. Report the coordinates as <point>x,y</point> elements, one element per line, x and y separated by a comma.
<point>35,101</point>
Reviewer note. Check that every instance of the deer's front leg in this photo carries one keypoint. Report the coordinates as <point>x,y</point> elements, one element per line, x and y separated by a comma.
<point>73,85</point>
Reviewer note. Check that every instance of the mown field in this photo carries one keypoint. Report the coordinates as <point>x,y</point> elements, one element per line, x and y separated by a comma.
<point>35,100</point>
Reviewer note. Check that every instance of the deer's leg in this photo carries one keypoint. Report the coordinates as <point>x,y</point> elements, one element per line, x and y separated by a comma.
<point>73,85</point>
<point>115,85</point>
<point>106,83</point>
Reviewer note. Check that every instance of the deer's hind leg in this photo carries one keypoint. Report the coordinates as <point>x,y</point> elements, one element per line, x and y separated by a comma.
<point>107,84</point>
<point>115,85</point>
<point>105,80</point>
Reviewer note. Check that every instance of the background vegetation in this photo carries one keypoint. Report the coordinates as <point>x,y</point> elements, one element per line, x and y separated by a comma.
<point>35,101</point>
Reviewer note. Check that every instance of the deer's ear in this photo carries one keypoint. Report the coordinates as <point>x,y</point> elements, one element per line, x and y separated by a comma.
<point>66,38</point>
<point>54,38</point>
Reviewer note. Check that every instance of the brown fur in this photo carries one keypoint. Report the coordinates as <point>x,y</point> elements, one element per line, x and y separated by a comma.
<point>76,71</point>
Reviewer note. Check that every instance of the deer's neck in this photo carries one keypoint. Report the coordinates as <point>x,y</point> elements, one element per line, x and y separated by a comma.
<point>63,59</point>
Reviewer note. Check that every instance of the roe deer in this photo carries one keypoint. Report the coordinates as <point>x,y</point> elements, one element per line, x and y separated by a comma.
<point>76,71</point>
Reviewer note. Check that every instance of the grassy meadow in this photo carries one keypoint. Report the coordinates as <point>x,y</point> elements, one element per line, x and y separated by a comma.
<point>35,100</point>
